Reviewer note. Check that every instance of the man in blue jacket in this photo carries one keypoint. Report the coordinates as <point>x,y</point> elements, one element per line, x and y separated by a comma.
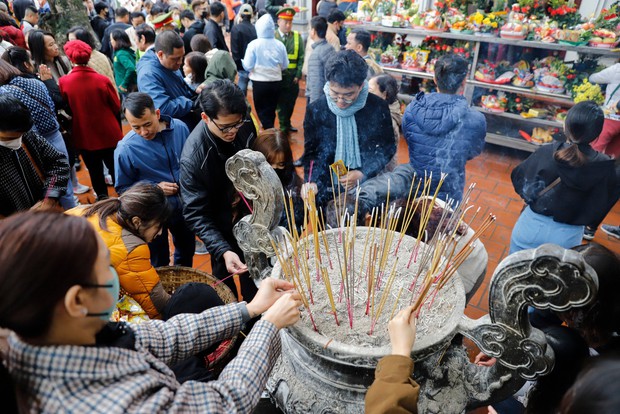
<point>159,77</point>
<point>151,152</point>
<point>442,133</point>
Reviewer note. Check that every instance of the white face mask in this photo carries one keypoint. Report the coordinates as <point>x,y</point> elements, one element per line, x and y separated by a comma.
<point>13,144</point>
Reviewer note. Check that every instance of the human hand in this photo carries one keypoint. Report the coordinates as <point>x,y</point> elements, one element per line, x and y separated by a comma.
<point>402,332</point>
<point>169,188</point>
<point>491,410</point>
<point>45,73</point>
<point>306,188</point>
<point>351,179</point>
<point>270,291</point>
<point>484,360</point>
<point>285,311</point>
<point>233,263</point>
<point>200,88</point>
<point>295,81</point>
<point>123,89</point>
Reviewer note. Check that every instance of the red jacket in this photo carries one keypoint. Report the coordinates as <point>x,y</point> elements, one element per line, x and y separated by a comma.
<point>16,36</point>
<point>95,108</point>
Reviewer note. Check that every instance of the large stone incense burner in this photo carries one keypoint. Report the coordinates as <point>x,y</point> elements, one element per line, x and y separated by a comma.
<point>324,372</point>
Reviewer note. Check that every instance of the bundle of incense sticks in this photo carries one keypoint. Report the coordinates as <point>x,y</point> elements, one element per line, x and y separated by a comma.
<point>436,259</point>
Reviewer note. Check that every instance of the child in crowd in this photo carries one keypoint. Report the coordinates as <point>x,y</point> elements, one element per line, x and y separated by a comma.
<point>194,68</point>
<point>566,185</point>
<point>124,62</point>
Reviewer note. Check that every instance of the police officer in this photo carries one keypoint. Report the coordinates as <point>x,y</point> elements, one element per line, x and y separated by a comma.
<point>290,77</point>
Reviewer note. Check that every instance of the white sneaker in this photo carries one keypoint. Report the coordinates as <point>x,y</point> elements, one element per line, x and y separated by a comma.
<point>81,189</point>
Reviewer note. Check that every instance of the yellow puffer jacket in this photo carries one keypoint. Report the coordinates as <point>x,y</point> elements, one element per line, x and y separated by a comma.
<point>131,258</point>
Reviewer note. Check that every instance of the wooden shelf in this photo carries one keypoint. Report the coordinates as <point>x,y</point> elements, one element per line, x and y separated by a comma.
<point>489,39</point>
<point>556,97</point>
<point>538,121</point>
<point>511,142</point>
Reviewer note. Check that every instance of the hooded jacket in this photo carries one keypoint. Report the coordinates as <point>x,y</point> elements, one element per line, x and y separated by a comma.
<point>131,258</point>
<point>265,58</point>
<point>443,133</point>
<point>584,194</point>
<point>221,66</point>
<point>168,89</point>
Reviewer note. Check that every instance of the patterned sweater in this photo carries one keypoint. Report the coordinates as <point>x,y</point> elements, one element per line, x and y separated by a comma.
<point>134,376</point>
<point>20,185</point>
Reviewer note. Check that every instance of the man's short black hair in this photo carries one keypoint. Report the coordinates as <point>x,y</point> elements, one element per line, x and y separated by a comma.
<point>336,16</point>
<point>121,12</point>
<point>156,9</point>
<point>450,72</point>
<point>136,15</point>
<point>31,10</point>
<point>137,103</point>
<point>319,24</point>
<point>363,38</point>
<point>167,41</point>
<point>217,8</point>
<point>222,97</point>
<point>146,31</point>
<point>14,115</point>
<point>187,14</point>
<point>346,68</point>
<point>101,6</point>
<point>200,43</point>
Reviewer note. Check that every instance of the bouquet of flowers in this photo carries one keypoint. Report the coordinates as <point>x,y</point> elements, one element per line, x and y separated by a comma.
<point>389,57</point>
<point>609,18</point>
<point>588,92</point>
<point>485,23</point>
<point>565,14</point>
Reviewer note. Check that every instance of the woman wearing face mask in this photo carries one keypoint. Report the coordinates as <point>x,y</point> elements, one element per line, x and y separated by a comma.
<point>274,145</point>
<point>64,355</point>
<point>33,94</point>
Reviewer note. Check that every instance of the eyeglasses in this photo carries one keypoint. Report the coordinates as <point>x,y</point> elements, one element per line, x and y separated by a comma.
<point>344,97</point>
<point>227,129</point>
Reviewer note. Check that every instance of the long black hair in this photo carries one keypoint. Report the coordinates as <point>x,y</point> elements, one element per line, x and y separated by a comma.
<point>583,124</point>
<point>36,44</point>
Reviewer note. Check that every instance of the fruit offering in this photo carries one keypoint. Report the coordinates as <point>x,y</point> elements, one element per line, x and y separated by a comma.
<point>524,78</point>
<point>389,58</point>
<point>603,38</point>
<point>494,103</point>
<point>429,20</point>
<point>513,30</point>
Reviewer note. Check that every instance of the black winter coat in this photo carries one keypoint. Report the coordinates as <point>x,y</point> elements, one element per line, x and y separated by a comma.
<point>240,36</point>
<point>196,28</point>
<point>214,33</point>
<point>584,194</point>
<point>206,191</point>
<point>375,137</point>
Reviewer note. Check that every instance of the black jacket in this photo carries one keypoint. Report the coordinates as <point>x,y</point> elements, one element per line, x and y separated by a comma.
<point>196,28</point>
<point>106,46</point>
<point>214,32</point>
<point>584,194</point>
<point>375,137</point>
<point>240,36</point>
<point>99,24</point>
<point>206,191</point>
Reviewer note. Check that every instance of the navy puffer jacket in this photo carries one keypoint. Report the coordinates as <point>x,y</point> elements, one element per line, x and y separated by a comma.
<point>443,133</point>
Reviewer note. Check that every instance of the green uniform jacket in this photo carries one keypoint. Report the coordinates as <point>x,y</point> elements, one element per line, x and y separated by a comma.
<point>295,52</point>
<point>125,69</point>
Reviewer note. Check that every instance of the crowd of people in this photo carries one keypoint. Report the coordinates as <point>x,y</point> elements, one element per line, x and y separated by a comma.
<point>176,78</point>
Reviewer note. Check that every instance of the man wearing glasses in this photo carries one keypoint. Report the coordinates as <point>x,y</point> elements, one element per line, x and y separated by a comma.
<point>347,124</point>
<point>211,205</point>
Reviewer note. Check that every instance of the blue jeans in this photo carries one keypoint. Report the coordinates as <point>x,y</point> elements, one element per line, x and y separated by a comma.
<point>533,229</point>
<point>55,140</point>
<point>244,79</point>
<point>184,243</point>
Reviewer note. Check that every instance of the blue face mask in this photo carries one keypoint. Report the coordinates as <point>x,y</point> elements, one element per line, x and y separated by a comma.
<point>113,289</point>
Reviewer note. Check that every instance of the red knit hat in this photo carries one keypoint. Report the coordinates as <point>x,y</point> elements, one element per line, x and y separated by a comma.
<point>78,52</point>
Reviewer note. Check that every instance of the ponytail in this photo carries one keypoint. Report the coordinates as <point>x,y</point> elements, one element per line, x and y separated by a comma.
<point>104,209</point>
<point>571,155</point>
